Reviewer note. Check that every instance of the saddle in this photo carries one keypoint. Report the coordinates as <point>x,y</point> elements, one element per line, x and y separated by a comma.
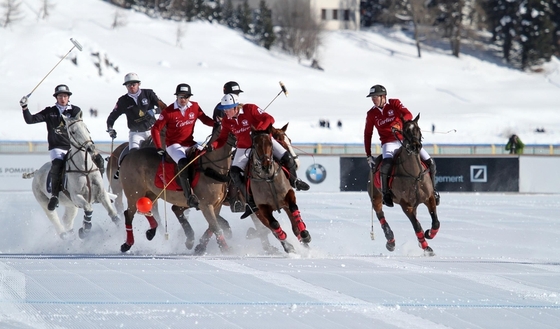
<point>377,177</point>
<point>169,167</point>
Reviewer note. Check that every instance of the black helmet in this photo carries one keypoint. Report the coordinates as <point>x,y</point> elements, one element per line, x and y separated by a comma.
<point>183,88</point>
<point>377,90</point>
<point>232,87</point>
<point>62,89</point>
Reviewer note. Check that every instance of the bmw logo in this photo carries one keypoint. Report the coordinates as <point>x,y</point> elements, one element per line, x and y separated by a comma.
<point>316,173</point>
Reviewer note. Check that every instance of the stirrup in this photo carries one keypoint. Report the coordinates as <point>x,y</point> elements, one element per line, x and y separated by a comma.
<point>237,206</point>
<point>53,203</point>
<point>388,199</point>
<point>116,175</point>
<point>193,201</point>
<point>301,185</point>
<point>436,195</point>
<point>249,211</point>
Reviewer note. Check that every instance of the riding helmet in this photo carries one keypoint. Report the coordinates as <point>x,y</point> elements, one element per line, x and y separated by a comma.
<point>377,90</point>
<point>131,78</point>
<point>232,87</point>
<point>62,89</point>
<point>183,89</point>
<point>229,101</point>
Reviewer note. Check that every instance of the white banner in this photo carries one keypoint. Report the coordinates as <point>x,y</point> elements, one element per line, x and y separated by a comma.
<point>12,166</point>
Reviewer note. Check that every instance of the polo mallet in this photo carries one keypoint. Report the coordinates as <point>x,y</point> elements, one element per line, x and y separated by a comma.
<point>372,234</point>
<point>164,196</point>
<point>76,45</point>
<point>110,167</point>
<point>283,90</point>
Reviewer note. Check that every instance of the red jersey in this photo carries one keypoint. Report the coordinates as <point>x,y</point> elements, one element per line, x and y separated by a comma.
<point>384,120</point>
<point>249,115</point>
<point>180,127</point>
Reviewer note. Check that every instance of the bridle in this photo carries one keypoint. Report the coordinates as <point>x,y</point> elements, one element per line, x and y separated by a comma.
<point>76,148</point>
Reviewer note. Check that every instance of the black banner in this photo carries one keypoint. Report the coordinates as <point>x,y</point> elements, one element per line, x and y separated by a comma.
<point>460,174</point>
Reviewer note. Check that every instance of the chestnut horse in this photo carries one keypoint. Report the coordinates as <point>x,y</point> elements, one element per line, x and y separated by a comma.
<point>137,173</point>
<point>411,186</point>
<point>272,190</point>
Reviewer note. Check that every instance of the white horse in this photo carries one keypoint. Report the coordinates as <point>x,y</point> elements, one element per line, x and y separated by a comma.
<point>84,183</point>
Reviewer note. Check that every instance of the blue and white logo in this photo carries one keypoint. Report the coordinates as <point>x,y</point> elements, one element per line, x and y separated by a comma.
<point>479,174</point>
<point>316,173</point>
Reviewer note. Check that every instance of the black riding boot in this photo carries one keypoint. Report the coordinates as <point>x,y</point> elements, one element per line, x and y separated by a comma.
<point>431,164</point>
<point>239,182</point>
<point>121,157</point>
<point>56,182</point>
<point>99,162</point>
<point>192,199</point>
<point>235,203</point>
<point>385,170</point>
<point>288,162</point>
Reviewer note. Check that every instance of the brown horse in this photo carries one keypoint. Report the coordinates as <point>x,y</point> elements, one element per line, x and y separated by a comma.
<point>137,173</point>
<point>411,186</point>
<point>272,191</point>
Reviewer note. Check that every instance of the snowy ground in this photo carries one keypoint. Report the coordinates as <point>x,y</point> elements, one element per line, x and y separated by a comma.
<point>497,265</point>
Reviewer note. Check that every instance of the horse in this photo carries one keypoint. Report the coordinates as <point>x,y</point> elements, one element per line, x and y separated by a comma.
<point>411,186</point>
<point>84,183</point>
<point>137,173</point>
<point>272,191</point>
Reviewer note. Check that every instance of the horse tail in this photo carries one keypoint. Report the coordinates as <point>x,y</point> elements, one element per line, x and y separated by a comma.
<point>28,175</point>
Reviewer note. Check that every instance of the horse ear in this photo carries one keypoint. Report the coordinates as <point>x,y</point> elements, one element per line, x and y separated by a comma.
<point>285,127</point>
<point>269,129</point>
<point>417,117</point>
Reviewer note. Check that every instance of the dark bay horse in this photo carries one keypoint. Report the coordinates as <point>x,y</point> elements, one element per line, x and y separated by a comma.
<point>272,191</point>
<point>137,173</point>
<point>411,186</point>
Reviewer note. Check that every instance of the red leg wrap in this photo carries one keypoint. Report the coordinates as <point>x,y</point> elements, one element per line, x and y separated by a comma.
<point>382,221</point>
<point>129,235</point>
<point>300,224</point>
<point>421,240</point>
<point>280,234</point>
<point>433,233</point>
<point>152,221</point>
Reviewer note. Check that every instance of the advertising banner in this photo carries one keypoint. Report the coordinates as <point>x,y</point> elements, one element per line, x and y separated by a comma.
<point>13,166</point>
<point>464,174</point>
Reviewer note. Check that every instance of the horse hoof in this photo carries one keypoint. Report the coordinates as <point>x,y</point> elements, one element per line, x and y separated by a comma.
<point>430,234</point>
<point>305,237</point>
<point>251,233</point>
<point>189,244</point>
<point>151,233</point>
<point>82,233</point>
<point>116,219</point>
<point>428,251</point>
<point>125,247</point>
<point>288,247</point>
<point>224,248</point>
<point>200,250</point>
<point>390,245</point>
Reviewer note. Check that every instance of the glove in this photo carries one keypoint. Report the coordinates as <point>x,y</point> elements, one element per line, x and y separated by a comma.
<point>371,161</point>
<point>161,152</point>
<point>23,101</point>
<point>152,113</point>
<point>208,148</point>
<point>112,133</point>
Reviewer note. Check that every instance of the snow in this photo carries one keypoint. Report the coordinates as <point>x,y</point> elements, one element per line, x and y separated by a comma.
<point>497,255</point>
<point>496,265</point>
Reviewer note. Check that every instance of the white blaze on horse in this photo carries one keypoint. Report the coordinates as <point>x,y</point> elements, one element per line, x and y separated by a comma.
<point>411,186</point>
<point>272,191</point>
<point>84,183</point>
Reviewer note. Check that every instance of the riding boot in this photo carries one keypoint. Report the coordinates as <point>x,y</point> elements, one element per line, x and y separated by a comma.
<point>56,182</point>
<point>385,170</point>
<point>288,162</point>
<point>192,199</point>
<point>235,203</point>
<point>99,162</point>
<point>238,180</point>
<point>431,164</point>
<point>121,157</point>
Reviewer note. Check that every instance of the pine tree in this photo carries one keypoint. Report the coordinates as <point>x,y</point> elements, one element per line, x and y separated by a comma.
<point>536,31</point>
<point>229,15</point>
<point>263,29</point>
<point>244,17</point>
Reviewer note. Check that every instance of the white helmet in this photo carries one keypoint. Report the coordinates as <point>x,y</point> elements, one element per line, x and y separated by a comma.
<point>131,77</point>
<point>229,101</point>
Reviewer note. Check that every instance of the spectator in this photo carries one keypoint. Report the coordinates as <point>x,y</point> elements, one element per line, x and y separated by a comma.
<point>515,145</point>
